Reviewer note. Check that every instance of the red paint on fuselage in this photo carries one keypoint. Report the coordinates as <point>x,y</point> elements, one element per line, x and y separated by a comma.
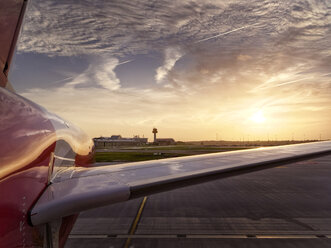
<point>28,137</point>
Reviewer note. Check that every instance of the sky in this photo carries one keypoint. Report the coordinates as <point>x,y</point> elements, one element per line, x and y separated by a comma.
<point>196,70</point>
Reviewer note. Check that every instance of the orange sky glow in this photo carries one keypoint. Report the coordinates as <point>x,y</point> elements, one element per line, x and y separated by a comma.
<point>207,70</point>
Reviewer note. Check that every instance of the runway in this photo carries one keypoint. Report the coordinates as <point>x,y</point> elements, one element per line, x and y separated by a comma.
<point>286,206</point>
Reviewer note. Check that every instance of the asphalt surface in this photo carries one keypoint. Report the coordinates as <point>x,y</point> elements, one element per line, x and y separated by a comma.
<point>287,206</point>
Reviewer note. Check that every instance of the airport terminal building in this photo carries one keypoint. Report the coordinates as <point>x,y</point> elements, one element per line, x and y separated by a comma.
<point>118,141</point>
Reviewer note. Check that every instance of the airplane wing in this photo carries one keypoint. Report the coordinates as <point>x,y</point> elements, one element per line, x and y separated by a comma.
<point>76,189</point>
<point>11,16</point>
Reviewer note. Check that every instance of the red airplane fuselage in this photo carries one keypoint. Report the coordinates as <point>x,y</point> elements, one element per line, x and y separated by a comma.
<point>34,145</point>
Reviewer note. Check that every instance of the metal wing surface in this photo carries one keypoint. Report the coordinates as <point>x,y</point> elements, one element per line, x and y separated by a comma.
<point>77,189</point>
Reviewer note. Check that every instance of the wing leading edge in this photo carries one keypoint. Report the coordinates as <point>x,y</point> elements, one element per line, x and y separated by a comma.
<point>76,189</point>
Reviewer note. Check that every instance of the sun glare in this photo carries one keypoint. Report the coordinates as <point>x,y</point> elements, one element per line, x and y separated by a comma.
<point>258,117</point>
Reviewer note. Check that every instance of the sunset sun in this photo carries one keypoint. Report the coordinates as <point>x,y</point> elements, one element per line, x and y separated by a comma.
<point>258,117</point>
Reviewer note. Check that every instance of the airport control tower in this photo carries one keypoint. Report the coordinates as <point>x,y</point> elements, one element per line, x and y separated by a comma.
<point>154,132</point>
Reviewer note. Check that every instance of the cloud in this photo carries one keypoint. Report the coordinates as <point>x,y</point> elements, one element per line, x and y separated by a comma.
<point>106,75</point>
<point>275,35</point>
<point>99,73</point>
<point>121,28</point>
<point>227,32</point>
<point>171,56</point>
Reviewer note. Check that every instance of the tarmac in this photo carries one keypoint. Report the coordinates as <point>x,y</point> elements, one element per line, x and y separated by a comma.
<point>286,206</point>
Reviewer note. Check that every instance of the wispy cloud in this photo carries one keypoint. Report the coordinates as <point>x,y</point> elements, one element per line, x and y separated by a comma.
<point>227,32</point>
<point>171,56</point>
<point>99,73</point>
<point>287,80</point>
<point>125,62</point>
<point>121,28</point>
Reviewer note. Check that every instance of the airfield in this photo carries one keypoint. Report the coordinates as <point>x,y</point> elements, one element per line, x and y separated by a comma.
<point>286,206</point>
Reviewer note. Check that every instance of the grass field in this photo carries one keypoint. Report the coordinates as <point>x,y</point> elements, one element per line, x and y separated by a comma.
<point>193,148</point>
<point>151,153</point>
<point>131,156</point>
<point>148,152</point>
